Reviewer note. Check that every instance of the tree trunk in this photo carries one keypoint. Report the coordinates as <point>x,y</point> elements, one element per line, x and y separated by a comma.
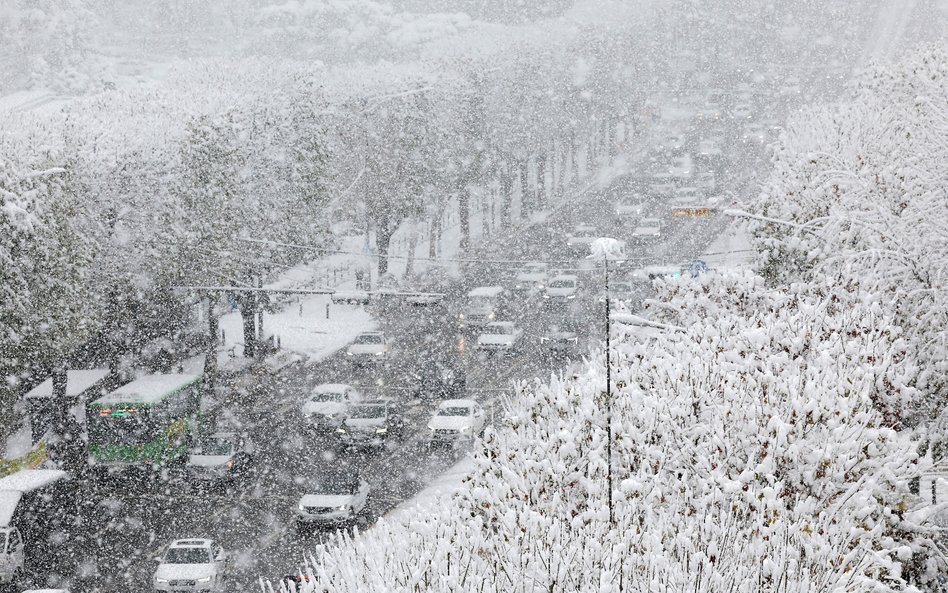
<point>506,191</point>
<point>412,242</point>
<point>542,201</point>
<point>464,217</point>
<point>210,359</point>
<point>433,238</point>
<point>248,314</point>
<point>525,199</point>
<point>383,239</point>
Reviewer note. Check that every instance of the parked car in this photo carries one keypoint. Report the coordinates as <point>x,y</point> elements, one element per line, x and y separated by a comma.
<point>499,336</point>
<point>369,347</point>
<point>194,564</point>
<point>371,423</point>
<point>563,287</point>
<point>456,420</point>
<point>333,499</point>
<point>220,456</point>
<point>649,229</point>
<point>328,404</point>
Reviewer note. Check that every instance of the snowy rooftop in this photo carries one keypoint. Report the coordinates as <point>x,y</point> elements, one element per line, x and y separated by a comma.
<point>76,383</point>
<point>149,389</point>
<point>8,502</point>
<point>27,480</point>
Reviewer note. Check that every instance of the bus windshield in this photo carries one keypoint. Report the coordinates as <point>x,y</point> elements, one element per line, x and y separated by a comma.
<point>130,429</point>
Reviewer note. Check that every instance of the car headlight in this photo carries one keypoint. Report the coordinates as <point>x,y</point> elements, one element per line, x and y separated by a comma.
<point>461,316</point>
<point>348,352</point>
<point>380,353</point>
<point>574,339</point>
<point>546,296</point>
<point>571,296</point>
<point>204,580</point>
<point>491,316</point>
<point>465,429</point>
<point>341,430</point>
<point>544,340</point>
<point>160,580</point>
<point>301,507</point>
<point>381,430</point>
<point>230,464</point>
<point>519,287</point>
<point>344,507</point>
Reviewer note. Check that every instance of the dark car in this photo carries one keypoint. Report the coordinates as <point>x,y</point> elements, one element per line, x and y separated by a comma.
<point>372,423</point>
<point>561,337</point>
<point>441,379</point>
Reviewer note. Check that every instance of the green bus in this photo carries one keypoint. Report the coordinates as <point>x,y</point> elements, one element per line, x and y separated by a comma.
<point>147,422</point>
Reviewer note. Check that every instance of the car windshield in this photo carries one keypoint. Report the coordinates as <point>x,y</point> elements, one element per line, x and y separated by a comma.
<point>369,339</point>
<point>563,283</point>
<point>650,222</point>
<point>367,412</point>
<point>337,484</point>
<point>216,446</point>
<point>454,411</point>
<point>326,396</point>
<point>188,556</point>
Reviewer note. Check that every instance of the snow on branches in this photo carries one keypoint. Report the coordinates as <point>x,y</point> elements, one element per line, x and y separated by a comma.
<point>862,186</point>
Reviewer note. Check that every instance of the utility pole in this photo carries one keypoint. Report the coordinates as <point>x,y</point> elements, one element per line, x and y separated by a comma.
<point>608,392</point>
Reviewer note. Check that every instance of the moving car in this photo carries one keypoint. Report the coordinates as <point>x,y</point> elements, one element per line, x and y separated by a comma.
<point>439,379</point>
<point>334,499</point>
<point>456,420</point>
<point>220,456</point>
<point>499,336</point>
<point>582,236</point>
<point>196,564</point>
<point>531,277</point>
<point>371,423</point>
<point>562,288</point>
<point>368,347</point>
<point>647,230</point>
<point>560,337</point>
<point>630,207</point>
<point>742,111</point>
<point>662,185</point>
<point>754,133</point>
<point>619,292</point>
<point>328,404</point>
<point>483,305</point>
<point>709,149</point>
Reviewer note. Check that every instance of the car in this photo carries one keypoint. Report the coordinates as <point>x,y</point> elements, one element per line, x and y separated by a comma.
<point>499,336</point>
<point>328,404</point>
<point>681,168</point>
<point>334,498</point>
<point>630,207</point>
<point>531,277</point>
<point>619,291</point>
<point>648,229</point>
<point>754,133</point>
<point>706,181</point>
<point>687,195</point>
<point>371,423</point>
<point>220,456</point>
<point>560,337</point>
<point>294,583</point>
<point>661,184</point>
<point>440,379</point>
<point>193,564</point>
<point>673,143</point>
<point>742,111</point>
<point>456,420</point>
<point>368,347</point>
<point>582,237</point>
<point>483,305</point>
<point>561,288</point>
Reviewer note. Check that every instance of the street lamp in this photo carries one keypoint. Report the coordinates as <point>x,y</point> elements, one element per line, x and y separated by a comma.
<point>608,249</point>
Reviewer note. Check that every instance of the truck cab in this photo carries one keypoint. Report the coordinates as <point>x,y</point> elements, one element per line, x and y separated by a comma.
<point>11,555</point>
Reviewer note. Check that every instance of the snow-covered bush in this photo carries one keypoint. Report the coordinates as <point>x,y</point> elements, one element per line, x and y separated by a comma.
<point>748,455</point>
<point>860,187</point>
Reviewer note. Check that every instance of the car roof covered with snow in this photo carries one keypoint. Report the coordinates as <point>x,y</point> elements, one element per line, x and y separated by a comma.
<point>486,291</point>
<point>331,388</point>
<point>457,403</point>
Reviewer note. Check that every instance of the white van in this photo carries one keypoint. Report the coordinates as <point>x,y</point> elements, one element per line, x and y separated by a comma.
<point>483,306</point>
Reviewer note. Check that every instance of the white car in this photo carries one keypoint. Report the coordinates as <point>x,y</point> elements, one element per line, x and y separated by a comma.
<point>630,207</point>
<point>333,499</point>
<point>456,420</point>
<point>327,405</point>
<point>583,235</point>
<point>709,149</point>
<point>661,185</point>
<point>648,229</point>
<point>191,565</point>
<point>368,347</point>
<point>682,167</point>
<point>220,456</point>
<point>563,287</point>
<point>755,133</point>
<point>742,111</point>
<point>499,336</point>
<point>532,277</point>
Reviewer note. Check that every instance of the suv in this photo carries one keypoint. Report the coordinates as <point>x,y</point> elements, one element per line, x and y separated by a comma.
<point>221,456</point>
<point>560,338</point>
<point>371,423</point>
<point>368,347</point>
<point>456,420</point>
<point>328,404</point>
<point>191,565</point>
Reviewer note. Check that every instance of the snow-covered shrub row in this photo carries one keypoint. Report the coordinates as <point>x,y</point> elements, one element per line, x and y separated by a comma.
<point>748,455</point>
<point>860,188</point>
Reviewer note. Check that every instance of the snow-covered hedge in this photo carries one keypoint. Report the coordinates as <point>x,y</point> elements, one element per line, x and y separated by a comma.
<point>861,186</point>
<point>748,456</point>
